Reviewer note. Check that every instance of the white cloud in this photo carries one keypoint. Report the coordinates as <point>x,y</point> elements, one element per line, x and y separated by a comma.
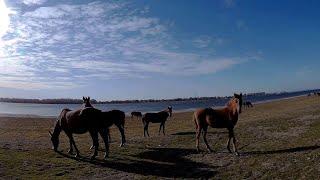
<point>33,2</point>
<point>69,44</point>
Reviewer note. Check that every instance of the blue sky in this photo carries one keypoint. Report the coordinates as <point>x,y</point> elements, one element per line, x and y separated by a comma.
<point>157,49</point>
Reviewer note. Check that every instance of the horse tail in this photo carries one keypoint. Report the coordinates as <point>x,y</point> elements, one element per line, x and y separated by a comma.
<point>195,120</point>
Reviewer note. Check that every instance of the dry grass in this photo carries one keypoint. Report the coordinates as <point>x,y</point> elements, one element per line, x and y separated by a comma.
<point>276,140</point>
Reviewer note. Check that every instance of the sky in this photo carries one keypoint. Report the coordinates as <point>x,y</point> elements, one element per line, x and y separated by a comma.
<point>115,50</point>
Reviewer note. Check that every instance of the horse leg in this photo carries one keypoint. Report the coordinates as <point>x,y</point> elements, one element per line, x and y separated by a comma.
<point>148,129</point>
<point>95,142</point>
<point>229,140</point>
<point>104,134</point>
<point>198,137</point>
<point>123,137</point>
<point>72,142</point>
<point>205,129</point>
<point>146,126</point>
<point>163,125</point>
<point>109,136</point>
<point>70,151</point>
<point>160,129</point>
<point>235,144</point>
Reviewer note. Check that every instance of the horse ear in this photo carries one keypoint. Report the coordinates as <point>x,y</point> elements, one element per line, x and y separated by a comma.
<point>83,98</point>
<point>88,98</point>
<point>50,134</point>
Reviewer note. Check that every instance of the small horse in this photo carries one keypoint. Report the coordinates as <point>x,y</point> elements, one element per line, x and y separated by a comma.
<point>85,120</point>
<point>136,114</point>
<point>218,118</point>
<point>247,104</point>
<point>159,117</point>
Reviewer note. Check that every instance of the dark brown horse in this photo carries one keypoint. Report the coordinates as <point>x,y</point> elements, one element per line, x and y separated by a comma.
<point>247,104</point>
<point>85,120</point>
<point>218,118</point>
<point>159,117</point>
<point>86,102</point>
<point>136,114</point>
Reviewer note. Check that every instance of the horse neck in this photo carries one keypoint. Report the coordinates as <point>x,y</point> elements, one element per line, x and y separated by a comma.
<point>57,130</point>
<point>234,117</point>
<point>85,105</point>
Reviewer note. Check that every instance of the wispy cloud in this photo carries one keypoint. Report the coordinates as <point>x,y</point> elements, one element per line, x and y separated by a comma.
<point>229,3</point>
<point>67,44</point>
<point>33,2</point>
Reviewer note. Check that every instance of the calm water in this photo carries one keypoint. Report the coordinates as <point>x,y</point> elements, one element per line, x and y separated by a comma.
<point>54,109</point>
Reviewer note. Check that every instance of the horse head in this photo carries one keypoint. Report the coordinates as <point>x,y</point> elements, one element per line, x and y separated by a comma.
<point>86,102</point>
<point>234,106</point>
<point>55,140</point>
<point>239,97</point>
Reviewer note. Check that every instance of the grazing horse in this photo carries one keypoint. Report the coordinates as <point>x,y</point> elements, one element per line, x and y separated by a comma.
<point>218,118</point>
<point>136,114</point>
<point>85,120</point>
<point>247,104</point>
<point>159,117</point>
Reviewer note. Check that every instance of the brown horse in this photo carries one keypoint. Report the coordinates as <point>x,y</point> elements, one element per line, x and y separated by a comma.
<point>218,118</point>
<point>159,117</point>
<point>85,120</point>
<point>136,114</point>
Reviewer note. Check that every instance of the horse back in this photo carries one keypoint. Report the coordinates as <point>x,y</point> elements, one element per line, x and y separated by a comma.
<point>156,117</point>
<point>116,117</point>
<point>216,118</point>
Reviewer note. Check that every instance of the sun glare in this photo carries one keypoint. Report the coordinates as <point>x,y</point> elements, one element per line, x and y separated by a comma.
<point>4,18</point>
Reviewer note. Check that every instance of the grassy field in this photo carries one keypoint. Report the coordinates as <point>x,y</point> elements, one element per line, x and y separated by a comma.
<point>279,140</point>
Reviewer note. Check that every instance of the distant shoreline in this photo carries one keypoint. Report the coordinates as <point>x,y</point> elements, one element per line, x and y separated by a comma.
<point>93,101</point>
<point>127,114</point>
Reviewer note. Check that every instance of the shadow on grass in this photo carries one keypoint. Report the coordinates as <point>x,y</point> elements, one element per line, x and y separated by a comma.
<point>161,162</point>
<point>282,151</point>
<point>194,133</point>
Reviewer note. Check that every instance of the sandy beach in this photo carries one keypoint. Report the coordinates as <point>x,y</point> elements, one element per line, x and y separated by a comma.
<point>278,139</point>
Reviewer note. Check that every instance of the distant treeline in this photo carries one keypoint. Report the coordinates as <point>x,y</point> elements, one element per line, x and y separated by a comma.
<point>93,101</point>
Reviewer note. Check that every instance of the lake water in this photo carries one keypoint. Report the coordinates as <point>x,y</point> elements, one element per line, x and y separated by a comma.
<point>16,109</point>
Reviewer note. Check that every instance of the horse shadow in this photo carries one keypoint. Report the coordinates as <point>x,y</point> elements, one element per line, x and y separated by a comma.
<point>160,162</point>
<point>283,151</point>
<point>194,133</point>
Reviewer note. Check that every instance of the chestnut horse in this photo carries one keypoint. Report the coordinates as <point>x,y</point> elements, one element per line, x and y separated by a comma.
<point>218,118</point>
<point>136,114</point>
<point>159,117</point>
<point>89,120</point>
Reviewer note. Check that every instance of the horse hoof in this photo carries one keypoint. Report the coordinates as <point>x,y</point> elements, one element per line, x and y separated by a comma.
<point>237,154</point>
<point>70,152</point>
<point>77,155</point>
<point>209,151</point>
<point>106,157</point>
